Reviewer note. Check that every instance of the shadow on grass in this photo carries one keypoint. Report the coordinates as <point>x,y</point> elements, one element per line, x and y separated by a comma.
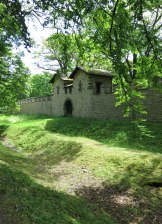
<point>8,118</point>
<point>113,133</point>
<point>14,159</point>
<point>131,199</point>
<point>3,128</point>
<point>42,145</point>
<point>123,205</point>
<point>61,151</point>
<point>25,201</point>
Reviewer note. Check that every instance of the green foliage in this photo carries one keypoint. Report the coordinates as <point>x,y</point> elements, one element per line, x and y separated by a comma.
<point>13,73</point>
<point>13,80</point>
<point>61,48</point>
<point>39,85</point>
<point>13,27</point>
<point>70,50</point>
<point>127,33</point>
<point>122,35</point>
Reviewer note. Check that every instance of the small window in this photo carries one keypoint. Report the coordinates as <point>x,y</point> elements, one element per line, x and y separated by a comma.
<point>65,89</point>
<point>98,87</point>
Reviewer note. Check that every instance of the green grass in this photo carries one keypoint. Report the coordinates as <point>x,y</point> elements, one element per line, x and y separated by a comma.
<point>25,201</point>
<point>113,133</point>
<point>113,151</point>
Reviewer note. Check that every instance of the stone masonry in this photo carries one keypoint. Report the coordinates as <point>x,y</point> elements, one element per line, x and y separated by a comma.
<point>87,94</point>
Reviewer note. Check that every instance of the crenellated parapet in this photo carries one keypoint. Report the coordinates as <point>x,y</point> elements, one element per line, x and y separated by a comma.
<point>36,105</point>
<point>36,99</point>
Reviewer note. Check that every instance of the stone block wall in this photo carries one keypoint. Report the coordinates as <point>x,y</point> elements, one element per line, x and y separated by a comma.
<point>87,104</point>
<point>36,105</point>
<point>81,96</point>
<point>153,104</point>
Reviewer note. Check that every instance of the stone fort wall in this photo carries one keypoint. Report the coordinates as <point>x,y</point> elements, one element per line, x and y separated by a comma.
<point>153,104</point>
<point>87,95</point>
<point>36,105</point>
<point>89,106</point>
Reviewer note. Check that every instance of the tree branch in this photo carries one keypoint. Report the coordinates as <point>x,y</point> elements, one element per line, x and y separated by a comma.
<point>145,29</point>
<point>47,69</point>
<point>112,23</point>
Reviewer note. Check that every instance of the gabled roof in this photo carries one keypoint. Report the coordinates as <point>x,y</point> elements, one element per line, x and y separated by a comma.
<point>101,72</point>
<point>75,71</point>
<point>64,78</point>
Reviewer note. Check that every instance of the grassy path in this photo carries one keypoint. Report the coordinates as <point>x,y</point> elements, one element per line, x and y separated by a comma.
<point>75,178</point>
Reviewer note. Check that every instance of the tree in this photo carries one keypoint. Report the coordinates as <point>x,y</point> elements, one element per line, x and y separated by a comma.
<point>126,32</point>
<point>13,80</point>
<point>58,53</point>
<point>62,52</point>
<point>130,38</point>
<point>13,28</point>
<point>39,85</point>
<point>13,73</point>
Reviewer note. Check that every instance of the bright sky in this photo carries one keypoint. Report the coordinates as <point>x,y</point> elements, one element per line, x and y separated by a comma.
<point>38,33</point>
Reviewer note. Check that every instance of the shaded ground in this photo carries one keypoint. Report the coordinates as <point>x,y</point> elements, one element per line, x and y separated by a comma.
<point>23,201</point>
<point>120,203</point>
<point>70,177</point>
<point>123,205</point>
<point>120,133</point>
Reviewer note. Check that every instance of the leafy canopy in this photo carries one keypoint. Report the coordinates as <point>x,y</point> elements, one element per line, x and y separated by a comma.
<point>128,33</point>
<point>70,50</point>
<point>13,80</point>
<point>13,73</point>
<point>125,32</point>
<point>39,85</point>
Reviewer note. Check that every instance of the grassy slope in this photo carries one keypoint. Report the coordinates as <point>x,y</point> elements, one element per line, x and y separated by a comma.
<point>25,201</point>
<point>112,151</point>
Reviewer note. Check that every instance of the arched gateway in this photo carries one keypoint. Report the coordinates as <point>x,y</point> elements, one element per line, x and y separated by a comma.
<point>68,108</point>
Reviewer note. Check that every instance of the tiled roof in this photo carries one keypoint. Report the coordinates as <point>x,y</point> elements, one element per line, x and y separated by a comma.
<point>64,78</point>
<point>101,72</point>
<point>91,72</point>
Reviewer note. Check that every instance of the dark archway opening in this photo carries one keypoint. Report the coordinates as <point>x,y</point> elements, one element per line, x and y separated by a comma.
<point>68,108</point>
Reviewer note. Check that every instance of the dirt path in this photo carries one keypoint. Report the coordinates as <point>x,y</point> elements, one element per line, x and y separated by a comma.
<point>7,143</point>
<point>121,204</point>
